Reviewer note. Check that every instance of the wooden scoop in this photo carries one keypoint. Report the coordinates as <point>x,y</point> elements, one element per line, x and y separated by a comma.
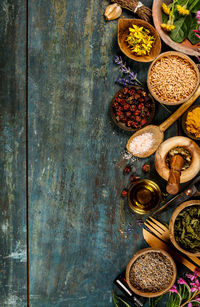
<point>158,131</point>
<point>176,164</point>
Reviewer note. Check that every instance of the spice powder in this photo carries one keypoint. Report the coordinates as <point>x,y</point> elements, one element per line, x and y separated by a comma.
<point>151,272</point>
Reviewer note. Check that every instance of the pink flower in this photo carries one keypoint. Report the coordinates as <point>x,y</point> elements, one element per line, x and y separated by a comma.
<point>198,15</point>
<point>190,305</point>
<point>196,286</point>
<point>181,281</point>
<point>173,289</point>
<point>191,276</point>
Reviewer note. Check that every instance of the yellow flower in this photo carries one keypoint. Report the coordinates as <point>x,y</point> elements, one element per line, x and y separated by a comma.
<point>165,8</point>
<point>167,28</point>
<point>182,10</point>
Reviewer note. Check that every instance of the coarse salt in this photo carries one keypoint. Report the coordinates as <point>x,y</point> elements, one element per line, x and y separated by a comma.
<point>141,143</point>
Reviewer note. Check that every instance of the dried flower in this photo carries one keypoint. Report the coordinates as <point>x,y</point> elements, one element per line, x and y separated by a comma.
<point>140,40</point>
<point>165,8</point>
<point>126,70</point>
<point>182,10</point>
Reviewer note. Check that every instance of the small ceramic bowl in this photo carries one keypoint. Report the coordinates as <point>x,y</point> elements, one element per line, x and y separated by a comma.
<point>143,252</point>
<point>123,125</point>
<point>123,32</point>
<point>184,117</point>
<point>172,222</point>
<point>166,55</point>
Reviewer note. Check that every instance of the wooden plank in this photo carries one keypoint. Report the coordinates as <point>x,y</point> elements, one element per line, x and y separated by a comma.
<point>13,280</point>
<point>79,239</point>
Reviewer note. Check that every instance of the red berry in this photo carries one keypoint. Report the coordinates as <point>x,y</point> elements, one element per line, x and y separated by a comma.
<point>126,106</point>
<point>137,112</point>
<point>132,108</point>
<point>118,113</point>
<point>124,119</point>
<point>128,114</point>
<point>124,193</point>
<point>129,123</point>
<point>134,178</point>
<point>131,92</point>
<point>138,119</point>
<point>146,168</point>
<point>125,90</point>
<point>143,122</point>
<point>141,106</point>
<point>127,169</point>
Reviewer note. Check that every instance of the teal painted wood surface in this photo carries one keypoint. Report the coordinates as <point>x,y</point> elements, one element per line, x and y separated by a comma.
<point>13,249</point>
<point>78,223</point>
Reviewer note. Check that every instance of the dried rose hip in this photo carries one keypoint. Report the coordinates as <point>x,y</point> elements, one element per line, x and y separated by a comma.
<point>128,114</point>
<point>129,123</point>
<point>126,106</point>
<point>146,168</point>
<point>124,193</point>
<point>143,122</point>
<point>125,90</point>
<point>127,170</point>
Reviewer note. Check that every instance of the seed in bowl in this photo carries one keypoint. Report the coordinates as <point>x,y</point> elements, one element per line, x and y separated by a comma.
<point>151,272</point>
<point>172,78</point>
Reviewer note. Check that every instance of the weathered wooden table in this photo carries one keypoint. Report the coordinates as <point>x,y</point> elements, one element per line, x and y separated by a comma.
<point>63,223</point>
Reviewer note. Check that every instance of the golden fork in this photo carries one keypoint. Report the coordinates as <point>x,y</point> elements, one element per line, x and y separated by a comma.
<point>162,232</point>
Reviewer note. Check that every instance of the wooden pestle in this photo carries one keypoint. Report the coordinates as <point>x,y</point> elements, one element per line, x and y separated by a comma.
<point>176,164</point>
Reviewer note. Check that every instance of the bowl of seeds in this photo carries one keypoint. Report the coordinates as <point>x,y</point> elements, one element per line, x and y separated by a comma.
<point>184,228</point>
<point>172,78</point>
<point>151,272</point>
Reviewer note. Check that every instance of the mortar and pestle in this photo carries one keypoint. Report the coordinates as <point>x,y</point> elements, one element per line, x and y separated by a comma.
<point>177,160</point>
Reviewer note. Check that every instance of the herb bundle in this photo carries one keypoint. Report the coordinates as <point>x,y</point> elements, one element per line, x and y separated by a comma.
<point>187,229</point>
<point>179,20</point>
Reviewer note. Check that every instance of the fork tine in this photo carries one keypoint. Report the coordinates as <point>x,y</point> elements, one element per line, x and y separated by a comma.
<point>155,226</point>
<point>158,223</point>
<point>153,230</point>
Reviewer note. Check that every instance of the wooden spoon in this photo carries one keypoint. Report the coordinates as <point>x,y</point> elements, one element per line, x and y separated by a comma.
<point>176,164</point>
<point>158,131</point>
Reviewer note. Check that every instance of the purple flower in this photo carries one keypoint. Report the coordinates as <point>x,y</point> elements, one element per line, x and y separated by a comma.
<point>173,289</point>
<point>126,70</point>
<point>181,281</point>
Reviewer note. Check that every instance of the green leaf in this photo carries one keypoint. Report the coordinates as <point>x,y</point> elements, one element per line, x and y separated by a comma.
<point>114,300</point>
<point>191,35</point>
<point>194,6</point>
<point>165,18</point>
<point>154,302</point>
<point>125,303</point>
<point>181,30</point>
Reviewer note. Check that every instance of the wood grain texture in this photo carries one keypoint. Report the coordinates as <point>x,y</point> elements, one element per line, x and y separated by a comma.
<point>12,154</point>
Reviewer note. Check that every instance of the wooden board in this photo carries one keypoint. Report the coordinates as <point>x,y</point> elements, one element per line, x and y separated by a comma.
<point>79,227</point>
<point>13,285</point>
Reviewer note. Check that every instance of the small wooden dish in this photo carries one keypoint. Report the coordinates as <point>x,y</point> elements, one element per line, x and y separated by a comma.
<point>190,135</point>
<point>122,125</point>
<point>172,221</point>
<point>123,32</point>
<point>168,54</point>
<point>185,47</point>
<point>143,252</point>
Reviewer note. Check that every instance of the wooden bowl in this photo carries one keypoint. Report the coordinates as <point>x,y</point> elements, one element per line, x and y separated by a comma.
<point>123,31</point>
<point>162,151</point>
<point>178,54</point>
<point>185,47</point>
<point>172,221</point>
<point>143,252</point>
<point>122,125</point>
<point>184,117</point>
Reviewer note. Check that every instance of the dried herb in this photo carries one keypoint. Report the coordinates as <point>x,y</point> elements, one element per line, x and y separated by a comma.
<point>151,272</point>
<point>187,229</point>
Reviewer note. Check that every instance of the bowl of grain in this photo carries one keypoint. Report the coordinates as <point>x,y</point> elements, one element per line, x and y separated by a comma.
<point>151,272</point>
<point>172,78</point>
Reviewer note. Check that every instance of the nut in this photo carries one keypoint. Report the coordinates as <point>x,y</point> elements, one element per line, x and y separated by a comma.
<point>113,11</point>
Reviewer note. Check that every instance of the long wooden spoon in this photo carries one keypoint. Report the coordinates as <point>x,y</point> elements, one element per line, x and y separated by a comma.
<point>158,131</point>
